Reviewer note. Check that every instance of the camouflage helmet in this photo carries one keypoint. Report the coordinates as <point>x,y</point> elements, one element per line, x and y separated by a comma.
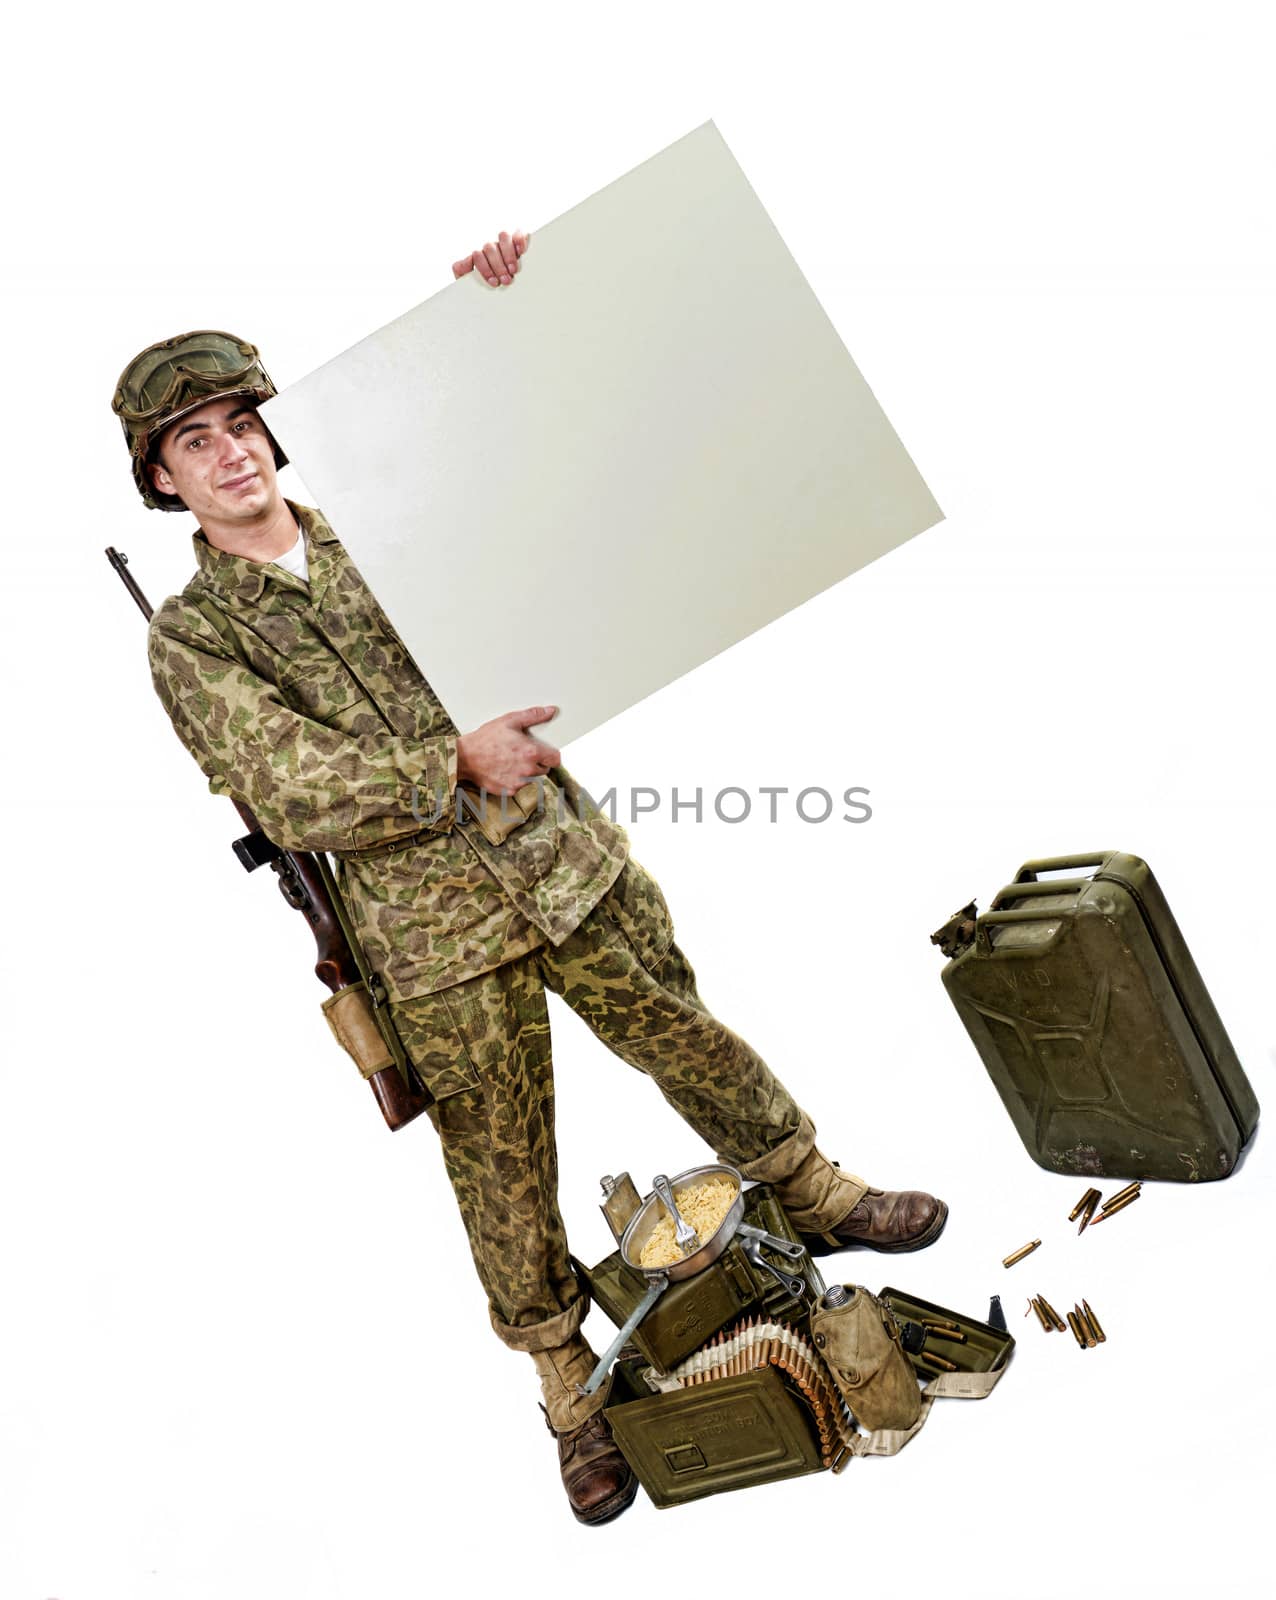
<point>173,377</point>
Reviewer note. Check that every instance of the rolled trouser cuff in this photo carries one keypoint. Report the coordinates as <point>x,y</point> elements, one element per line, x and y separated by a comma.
<point>546,1335</point>
<point>785,1158</point>
<point>815,1193</point>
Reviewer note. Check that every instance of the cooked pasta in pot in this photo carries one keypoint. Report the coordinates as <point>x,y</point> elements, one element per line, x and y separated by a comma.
<point>703,1205</point>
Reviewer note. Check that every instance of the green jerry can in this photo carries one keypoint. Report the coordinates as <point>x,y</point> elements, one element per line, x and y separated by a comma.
<point>1093,1022</point>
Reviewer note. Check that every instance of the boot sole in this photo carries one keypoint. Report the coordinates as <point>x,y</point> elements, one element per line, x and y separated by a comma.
<point>608,1509</point>
<point>816,1246</point>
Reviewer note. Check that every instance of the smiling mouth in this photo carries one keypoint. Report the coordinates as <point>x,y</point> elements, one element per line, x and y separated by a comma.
<point>238,483</point>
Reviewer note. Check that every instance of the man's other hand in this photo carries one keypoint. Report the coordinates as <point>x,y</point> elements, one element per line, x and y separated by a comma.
<point>501,756</point>
<point>497,263</point>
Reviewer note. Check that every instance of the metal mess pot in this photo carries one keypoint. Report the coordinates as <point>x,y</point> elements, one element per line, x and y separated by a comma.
<point>640,1228</point>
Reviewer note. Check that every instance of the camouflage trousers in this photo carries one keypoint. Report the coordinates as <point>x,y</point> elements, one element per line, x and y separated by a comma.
<point>482,1047</point>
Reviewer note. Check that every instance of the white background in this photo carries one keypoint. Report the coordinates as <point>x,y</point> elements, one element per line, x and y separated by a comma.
<point>242,1351</point>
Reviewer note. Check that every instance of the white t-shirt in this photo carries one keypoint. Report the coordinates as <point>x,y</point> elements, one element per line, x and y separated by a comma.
<point>294,560</point>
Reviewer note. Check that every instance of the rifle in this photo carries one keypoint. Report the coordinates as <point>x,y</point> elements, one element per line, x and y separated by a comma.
<point>357,1009</point>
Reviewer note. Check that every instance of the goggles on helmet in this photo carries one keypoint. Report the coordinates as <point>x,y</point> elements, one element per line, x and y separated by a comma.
<point>171,378</point>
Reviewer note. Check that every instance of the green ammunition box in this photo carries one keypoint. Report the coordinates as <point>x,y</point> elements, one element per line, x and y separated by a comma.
<point>985,1348</point>
<point>1095,1026</point>
<point>726,1435</point>
<point>689,1313</point>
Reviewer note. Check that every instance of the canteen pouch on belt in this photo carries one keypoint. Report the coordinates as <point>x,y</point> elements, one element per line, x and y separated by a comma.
<point>350,1016</point>
<point>860,1341</point>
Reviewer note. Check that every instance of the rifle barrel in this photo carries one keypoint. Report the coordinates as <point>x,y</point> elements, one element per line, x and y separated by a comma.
<point>119,561</point>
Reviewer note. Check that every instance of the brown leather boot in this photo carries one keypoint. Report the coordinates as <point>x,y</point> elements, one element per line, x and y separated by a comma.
<point>833,1210</point>
<point>600,1483</point>
<point>891,1220</point>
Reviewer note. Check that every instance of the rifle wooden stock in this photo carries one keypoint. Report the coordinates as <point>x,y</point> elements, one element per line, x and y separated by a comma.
<point>308,888</point>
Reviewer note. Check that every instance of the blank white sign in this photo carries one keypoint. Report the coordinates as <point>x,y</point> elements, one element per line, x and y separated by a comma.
<point>575,489</point>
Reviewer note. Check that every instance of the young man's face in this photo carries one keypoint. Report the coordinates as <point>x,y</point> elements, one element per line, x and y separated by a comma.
<point>219,461</point>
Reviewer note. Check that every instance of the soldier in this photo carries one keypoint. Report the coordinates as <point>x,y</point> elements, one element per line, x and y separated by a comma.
<point>287,683</point>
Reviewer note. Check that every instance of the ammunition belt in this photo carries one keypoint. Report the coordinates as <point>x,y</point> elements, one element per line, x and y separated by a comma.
<point>756,1343</point>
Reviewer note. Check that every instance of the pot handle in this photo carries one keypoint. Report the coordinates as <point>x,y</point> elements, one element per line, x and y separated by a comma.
<point>659,1283</point>
<point>783,1247</point>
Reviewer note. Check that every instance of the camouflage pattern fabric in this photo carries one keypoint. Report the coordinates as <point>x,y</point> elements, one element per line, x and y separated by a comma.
<point>302,701</point>
<point>483,1049</point>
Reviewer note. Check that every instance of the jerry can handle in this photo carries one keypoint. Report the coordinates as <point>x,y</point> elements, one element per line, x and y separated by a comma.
<point>1028,872</point>
<point>999,919</point>
<point>1026,891</point>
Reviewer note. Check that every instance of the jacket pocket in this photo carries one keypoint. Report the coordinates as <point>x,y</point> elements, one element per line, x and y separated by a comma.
<point>321,689</point>
<point>434,1044</point>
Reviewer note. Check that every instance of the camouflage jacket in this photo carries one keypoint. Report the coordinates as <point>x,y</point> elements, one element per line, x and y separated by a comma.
<point>303,702</point>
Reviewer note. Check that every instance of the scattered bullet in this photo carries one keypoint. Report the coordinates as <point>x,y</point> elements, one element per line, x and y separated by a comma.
<point>1018,1255</point>
<point>1090,1194</point>
<point>1050,1311</point>
<point>1087,1216</point>
<point>1074,1322</point>
<point>1130,1188</point>
<point>1094,1322</point>
<point>1087,1331</point>
<point>1117,1205</point>
<point>1042,1318</point>
<point>941,1362</point>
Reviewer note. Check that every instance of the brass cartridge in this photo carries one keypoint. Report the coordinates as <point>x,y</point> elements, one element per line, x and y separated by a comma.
<point>1094,1322</point>
<point>1086,1330</point>
<point>1042,1318</point>
<point>939,1322</point>
<point>1130,1188</point>
<point>1050,1311</point>
<point>1018,1255</point>
<point>952,1334</point>
<point>1087,1216</point>
<point>1090,1194</point>
<point>942,1362</point>
<point>1117,1205</point>
<point>1075,1324</point>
